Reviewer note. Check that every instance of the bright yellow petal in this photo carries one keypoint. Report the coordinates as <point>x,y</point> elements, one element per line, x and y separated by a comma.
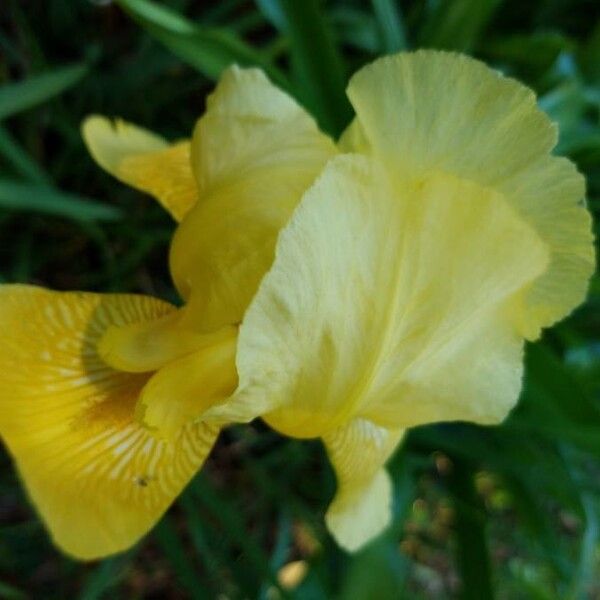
<point>150,345</point>
<point>99,480</point>
<point>254,153</point>
<point>144,161</point>
<point>430,111</point>
<point>362,507</point>
<point>185,389</point>
<point>378,291</point>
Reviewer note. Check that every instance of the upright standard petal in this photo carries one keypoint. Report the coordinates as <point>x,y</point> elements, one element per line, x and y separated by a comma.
<point>428,112</point>
<point>254,153</point>
<point>362,507</point>
<point>144,161</point>
<point>98,478</point>
<point>389,304</point>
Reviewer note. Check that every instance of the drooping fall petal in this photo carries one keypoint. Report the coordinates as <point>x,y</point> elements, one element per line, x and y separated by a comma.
<point>362,507</point>
<point>425,112</point>
<point>99,479</point>
<point>144,161</point>
<point>254,153</point>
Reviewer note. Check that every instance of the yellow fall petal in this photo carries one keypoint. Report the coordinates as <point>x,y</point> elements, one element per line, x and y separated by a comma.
<point>388,303</point>
<point>362,507</point>
<point>144,161</point>
<point>426,112</point>
<point>254,153</point>
<point>99,479</point>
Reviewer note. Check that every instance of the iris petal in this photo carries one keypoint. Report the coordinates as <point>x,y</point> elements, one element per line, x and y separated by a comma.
<point>254,153</point>
<point>434,111</point>
<point>362,507</point>
<point>380,292</point>
<point>144,161</point>
<point>98,478</point>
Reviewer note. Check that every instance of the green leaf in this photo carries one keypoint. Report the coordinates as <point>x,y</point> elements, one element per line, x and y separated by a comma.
<point>504,449</point>
<point>379,570</point>
<point>554,404</point>
<point>387,13</point>
<point>569,104</point>
<point>105,577</point>
<point>208,551</point>
<point>15,195</point>
<point>585,571</point>
<point>14,153</point>
<point>228,513</point>
<point>457,24</point>
<point>589,56</point>
<point>529,504</point>
<point>208,49</point>
<point>356,28</point>
<point>172,546</point>
<point>472,553</point>
<point>320,77</point>
<point>17,97</point>
<point>535,52</point>
<point>8,592</point>
<point>273,12</point>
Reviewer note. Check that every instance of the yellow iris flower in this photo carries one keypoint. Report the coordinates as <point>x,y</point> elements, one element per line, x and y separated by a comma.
<point>443,236</point>
<point>77,367</point>
<point>439,235</point>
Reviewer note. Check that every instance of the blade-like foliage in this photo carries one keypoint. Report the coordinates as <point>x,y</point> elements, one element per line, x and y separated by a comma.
<point>208,49</point>
<point>18,196</point>
<point>22,95</point>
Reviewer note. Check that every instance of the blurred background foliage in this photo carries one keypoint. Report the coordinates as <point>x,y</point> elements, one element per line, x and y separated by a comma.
<point>508,512</point>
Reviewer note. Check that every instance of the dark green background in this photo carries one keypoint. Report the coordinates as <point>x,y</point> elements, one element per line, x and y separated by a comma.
<point>511,512</point>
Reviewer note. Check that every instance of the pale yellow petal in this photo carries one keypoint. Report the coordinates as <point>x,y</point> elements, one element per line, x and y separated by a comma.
<point>431,111</point>
<point>379,294</point>
<point>550,195</point>
<point>99,480</point>
<point>362,507</point>
<point>439,110</point>
<point>254,153</point>
<point>144,161</point>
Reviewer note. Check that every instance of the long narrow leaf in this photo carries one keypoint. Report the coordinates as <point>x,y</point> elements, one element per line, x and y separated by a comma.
<point>320,74</point>
<point>172,546</point>
<point>14,154</point>
<point>17,97</point>
<point>457,24</point>
<point>105,577</point>
<point>273,12</point>
<point>390,24</point>
<point>19,196</point>
<point>207,49</point>
<point>228,514</point>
